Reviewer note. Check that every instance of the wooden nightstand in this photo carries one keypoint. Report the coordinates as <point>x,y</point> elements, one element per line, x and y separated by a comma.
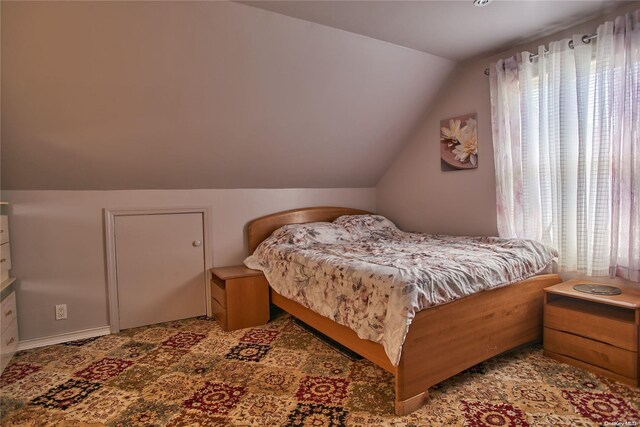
<point>239,297</point>
<point>595,332</point>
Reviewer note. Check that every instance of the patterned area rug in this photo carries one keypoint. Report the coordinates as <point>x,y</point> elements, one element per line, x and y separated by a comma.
<point>191,373</point>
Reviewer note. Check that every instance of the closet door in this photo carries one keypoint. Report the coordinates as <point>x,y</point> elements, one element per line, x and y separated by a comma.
<point>160,267</point>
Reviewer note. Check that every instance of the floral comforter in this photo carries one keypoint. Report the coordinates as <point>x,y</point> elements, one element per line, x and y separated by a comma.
<point>364,273</point>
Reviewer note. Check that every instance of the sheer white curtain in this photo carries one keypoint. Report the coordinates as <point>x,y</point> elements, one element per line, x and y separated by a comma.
<point>566,136</point>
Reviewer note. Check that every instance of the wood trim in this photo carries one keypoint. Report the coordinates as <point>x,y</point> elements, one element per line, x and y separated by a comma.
<point>112,274</point>
<point>62,338</point>
<point>372,351</point>
<point>110,251</point>
<point>261,228</point>
<point>207,227</point>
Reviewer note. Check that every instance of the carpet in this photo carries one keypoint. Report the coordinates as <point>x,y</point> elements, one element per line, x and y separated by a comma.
<point>191,373</point>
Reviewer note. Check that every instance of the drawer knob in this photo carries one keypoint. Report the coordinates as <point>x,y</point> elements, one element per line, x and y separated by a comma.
<point>8,313</point>
<point>3,260</point>
<point>11,340</point>
<point>196,243</point>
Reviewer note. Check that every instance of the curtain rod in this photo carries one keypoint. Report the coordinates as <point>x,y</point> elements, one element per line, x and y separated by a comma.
<point>585,39</point>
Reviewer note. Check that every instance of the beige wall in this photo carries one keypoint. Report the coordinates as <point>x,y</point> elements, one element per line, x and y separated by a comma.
<point>183,95</point>
<point>57,242</point>
<point>187,94</point>
<point>416,194</point>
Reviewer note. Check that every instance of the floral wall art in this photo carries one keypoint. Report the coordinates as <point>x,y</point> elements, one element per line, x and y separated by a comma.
<point>459,143</point>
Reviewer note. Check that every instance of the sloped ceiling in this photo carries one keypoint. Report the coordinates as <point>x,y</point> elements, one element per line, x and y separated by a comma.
<point>130,95</point>
<point>133,95</point>
<point>454,29</point>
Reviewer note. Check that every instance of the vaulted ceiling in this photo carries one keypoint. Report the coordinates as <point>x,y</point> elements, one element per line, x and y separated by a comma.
<point>130,95</point>
<point>454,29</point>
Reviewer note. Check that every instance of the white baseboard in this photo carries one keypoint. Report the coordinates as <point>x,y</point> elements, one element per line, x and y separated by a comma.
<point>61,338</point>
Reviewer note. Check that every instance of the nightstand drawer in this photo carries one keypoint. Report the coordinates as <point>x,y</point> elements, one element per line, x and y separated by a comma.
<point>219,312</point>
<point>603,355</point>
<point>218,290</point>
<point>4,229</point>
<point>612,325</point>
<point>8,311</point>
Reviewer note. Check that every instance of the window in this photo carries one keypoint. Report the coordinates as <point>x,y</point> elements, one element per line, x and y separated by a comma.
<point>566,131</point>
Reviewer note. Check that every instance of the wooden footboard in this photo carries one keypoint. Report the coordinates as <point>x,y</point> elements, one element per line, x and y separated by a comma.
<point>445,340</point>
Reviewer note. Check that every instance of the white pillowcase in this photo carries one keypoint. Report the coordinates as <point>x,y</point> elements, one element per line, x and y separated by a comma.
<point>360,226</point>
<point>315,232</point>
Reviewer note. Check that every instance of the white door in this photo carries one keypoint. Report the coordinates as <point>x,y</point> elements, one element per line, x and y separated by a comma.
<point>160,268</point>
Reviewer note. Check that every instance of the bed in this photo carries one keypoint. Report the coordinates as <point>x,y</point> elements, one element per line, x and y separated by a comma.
<point>441,341</point>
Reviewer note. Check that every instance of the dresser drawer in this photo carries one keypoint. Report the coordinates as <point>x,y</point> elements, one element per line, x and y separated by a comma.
<point>4,229</point>
<point>9,340</point>
<point>8,344</point>
<point>614,359</point>
<point>218,290</point>
<point>612,325</point>
<point>5,261</point>
<point>219,312</point>
<point>8,312</point>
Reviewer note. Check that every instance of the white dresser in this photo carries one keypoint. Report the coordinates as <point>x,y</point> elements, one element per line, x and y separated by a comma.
<point>8,308</point>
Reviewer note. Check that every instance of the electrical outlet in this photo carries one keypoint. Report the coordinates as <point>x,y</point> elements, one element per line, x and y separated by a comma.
<point>61,311</point>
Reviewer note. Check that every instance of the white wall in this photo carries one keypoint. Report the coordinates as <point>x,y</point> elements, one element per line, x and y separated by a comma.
<point>57,242</point>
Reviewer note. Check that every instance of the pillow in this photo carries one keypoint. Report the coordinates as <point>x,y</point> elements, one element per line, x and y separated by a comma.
<point>313,232</point>
<point>365,225</point>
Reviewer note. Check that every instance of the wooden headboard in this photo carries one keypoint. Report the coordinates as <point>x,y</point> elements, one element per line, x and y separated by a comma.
<point>261,228</point>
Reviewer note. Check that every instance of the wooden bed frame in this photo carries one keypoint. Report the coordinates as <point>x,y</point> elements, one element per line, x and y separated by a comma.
<point>442,341</point>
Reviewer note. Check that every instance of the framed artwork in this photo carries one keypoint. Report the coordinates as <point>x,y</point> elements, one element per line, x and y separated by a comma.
<point>459,143</point>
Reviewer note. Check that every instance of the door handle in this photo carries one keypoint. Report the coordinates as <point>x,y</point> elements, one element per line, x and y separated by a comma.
<point>196,243</point>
